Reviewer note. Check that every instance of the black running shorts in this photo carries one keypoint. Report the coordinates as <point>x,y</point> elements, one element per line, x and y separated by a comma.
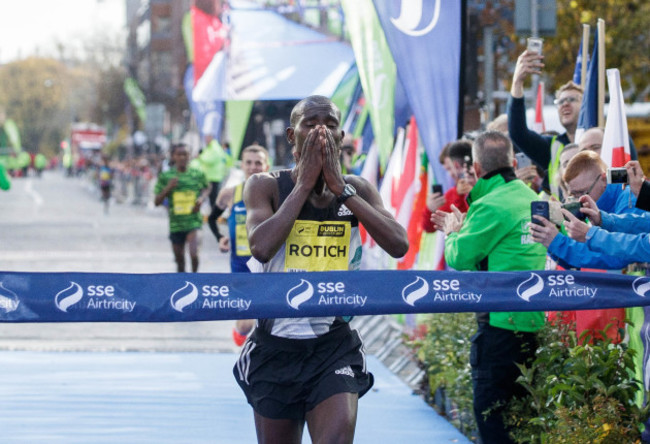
<point>286,378</point>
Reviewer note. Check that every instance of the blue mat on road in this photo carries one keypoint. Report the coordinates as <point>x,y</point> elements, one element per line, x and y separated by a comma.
<point>158,398</point>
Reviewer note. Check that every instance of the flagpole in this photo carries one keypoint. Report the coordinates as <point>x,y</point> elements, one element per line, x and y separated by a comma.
<point>601,72</point>
<point>585,53</point>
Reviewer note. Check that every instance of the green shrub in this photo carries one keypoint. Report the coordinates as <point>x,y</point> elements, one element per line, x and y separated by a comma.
<point>580,391</point>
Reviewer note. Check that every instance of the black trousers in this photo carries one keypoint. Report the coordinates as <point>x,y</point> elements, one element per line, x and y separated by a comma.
<point>494,355</point>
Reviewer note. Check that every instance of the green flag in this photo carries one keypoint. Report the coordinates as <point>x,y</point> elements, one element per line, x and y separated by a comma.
<point>237,115</point>
<point>188,36</point>
<point>136,96</point>
<point>13,134</point>
<point>376,69</point>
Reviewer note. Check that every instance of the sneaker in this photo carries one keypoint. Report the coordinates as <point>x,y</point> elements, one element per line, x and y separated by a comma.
<point>238,337</point>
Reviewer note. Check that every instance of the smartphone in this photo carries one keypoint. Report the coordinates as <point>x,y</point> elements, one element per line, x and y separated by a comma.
<point>539,208</point>
<point>534,44</point>
<point>436,188</point>
<point>574,208</point>
<point>523,161</point>
<point>616,175</point>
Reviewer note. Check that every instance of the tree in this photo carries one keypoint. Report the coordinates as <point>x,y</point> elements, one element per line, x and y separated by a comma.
<point>35,94</point>
<point>627,41</point>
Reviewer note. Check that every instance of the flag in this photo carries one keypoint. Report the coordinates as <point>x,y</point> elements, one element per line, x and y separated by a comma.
<point>616,143</point>
<point>418,190</point>
<point>136,97</point>
<point>209,37</point>
<point>588,117</point>
<point>538,125</point>
<point>376,70</point>
<point>577,73</point>
<point>425,39</point>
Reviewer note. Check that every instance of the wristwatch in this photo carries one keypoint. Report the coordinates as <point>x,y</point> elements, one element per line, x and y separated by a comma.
<point>348,191</point>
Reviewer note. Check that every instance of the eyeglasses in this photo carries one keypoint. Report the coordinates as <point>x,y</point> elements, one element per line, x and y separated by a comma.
<point>560,102</point>
<point>577,194</point>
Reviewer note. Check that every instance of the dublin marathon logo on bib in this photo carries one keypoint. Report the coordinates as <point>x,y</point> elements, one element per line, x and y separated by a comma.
<point>318,246</point>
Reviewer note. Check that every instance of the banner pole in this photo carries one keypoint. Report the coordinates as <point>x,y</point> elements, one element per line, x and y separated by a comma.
<point>585,53</point>
<point>601,72</point>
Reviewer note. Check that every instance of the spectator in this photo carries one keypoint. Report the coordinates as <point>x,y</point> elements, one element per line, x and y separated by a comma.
<point>543,150</point>
<point>586,175</point>
<point>493,237</point>
<point>459,158</point>
<point>592,140</point>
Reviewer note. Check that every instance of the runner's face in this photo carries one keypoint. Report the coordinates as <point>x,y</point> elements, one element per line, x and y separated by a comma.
<point>253,163</point>
<point>180,157</point>
<point>313,116</point>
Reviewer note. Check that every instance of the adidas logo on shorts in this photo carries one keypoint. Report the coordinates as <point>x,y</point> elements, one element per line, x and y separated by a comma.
<point>347,370</point>
<point>344,211</point>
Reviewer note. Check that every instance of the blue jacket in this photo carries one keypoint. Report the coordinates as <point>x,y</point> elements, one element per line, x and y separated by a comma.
<point>573,254</point>
<point>631,240</point>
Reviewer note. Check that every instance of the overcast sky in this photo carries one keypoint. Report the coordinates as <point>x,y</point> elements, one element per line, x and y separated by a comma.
<point>26,25</point>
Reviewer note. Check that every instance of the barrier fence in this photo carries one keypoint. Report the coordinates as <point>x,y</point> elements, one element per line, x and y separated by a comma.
<point>182,297</point>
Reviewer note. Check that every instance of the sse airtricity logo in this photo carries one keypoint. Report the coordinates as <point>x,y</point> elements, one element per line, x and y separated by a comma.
<point>641,286</point>
<point>410,17</point>
<point>299,294</point>
<point>530,287</point>
<point>8,299</point>
<point>415,291</point>
<point>184,296</point>
<point>68,297</point>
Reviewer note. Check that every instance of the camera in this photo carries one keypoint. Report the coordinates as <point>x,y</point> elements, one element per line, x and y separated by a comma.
<point>539,208</point>
<point>436,188</point>
<point>616,175</point>
<point>574,208</point>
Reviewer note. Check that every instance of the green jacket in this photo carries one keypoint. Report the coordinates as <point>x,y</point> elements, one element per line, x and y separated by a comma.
<point>495,237</point>
<point>215,162</point>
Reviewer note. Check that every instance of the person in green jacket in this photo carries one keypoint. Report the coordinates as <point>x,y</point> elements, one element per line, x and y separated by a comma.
<point>5,183</point>
<point>40,162</point>
<point>494,236</point>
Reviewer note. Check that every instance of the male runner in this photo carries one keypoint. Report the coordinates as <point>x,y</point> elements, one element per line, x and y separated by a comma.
<point>310,369</point>
<point>255,159</point>
<point>186,189</point>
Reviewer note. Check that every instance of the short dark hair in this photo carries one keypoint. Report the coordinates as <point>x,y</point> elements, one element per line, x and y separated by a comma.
<point>460,150</point>
<point>298,110</point>
<point>176,146</point>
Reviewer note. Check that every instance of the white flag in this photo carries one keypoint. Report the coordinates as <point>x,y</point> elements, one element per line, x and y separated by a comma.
<point>616,143</point>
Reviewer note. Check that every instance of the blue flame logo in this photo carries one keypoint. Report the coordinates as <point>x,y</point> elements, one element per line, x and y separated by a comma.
<point>184,296</point>
<point>530,287</point>
<point>8,299</point>
<point>641,286</point>
<point>415,291</point>
<point>69,296</point>
<point>300,294</point>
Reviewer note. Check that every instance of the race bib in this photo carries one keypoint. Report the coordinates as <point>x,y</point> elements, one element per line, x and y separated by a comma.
<point>184,202</point>
<point>318,246</point>
<point>242,247</point>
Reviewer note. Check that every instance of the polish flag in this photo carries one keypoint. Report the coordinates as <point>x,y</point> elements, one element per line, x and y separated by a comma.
<point>616,142</point>
<point>538,125</point>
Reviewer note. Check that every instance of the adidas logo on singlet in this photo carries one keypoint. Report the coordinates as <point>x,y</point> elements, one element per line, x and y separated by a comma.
<point>343,211</point>
<point>347,370</point>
